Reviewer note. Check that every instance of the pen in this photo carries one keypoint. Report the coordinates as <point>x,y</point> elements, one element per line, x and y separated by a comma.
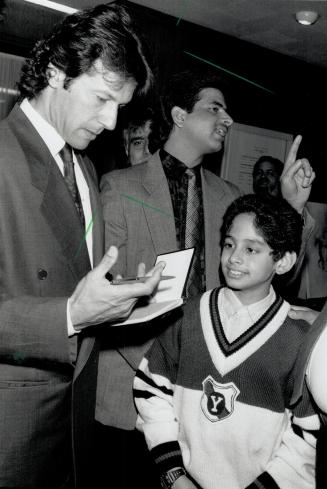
<point>131,280</point>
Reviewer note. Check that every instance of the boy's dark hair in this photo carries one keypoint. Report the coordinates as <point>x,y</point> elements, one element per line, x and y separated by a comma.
<point>274,218</point>
<point>184,89</point>
<point>104,32</point>
<point>278,165</point>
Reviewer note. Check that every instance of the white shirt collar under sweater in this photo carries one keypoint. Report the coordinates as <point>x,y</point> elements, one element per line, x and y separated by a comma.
<point>250,334</point>
<point>237,318</point>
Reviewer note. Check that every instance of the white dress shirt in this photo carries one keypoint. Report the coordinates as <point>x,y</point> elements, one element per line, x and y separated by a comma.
<point>237,318</point>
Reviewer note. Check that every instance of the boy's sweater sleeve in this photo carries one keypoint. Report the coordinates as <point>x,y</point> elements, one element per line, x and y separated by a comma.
<point>293,464</point>
<point>154,386</point>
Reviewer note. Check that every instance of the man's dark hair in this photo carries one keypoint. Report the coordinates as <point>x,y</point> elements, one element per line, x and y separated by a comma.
<point>136,115</point>
<point>278,165</point>
<point>274,218</point>
<point>104,32</point>
<point>184,91</point>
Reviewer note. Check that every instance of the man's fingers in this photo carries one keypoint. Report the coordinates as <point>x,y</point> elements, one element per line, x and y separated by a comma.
<point>302,171</point>
<point>292,169</point>
<point>141,270</point>
<point>140,289</point>
<point>108,260</point>
<point>313,176</point>
<point>308,181</point>
<point>291,157</point>
<point>307,169</point>
<point>158,267</point>
<point>154,276</point>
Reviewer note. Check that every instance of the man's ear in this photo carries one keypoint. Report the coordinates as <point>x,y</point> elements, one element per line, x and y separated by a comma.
<point>56,77</point>
<point>178,115</point>
<point>285,264</point>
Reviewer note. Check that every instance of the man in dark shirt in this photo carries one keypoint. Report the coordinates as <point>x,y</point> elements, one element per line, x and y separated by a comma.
<point>266,176</point>
<point>168,203</point>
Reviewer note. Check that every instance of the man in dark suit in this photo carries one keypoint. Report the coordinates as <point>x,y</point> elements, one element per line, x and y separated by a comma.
<point>51,238</point>
<point>146,213</point>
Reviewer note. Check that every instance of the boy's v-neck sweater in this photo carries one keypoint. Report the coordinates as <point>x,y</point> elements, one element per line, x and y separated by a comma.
<point>219,404</point>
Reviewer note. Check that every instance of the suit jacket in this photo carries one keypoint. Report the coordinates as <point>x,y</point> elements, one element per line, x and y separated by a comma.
<point>139,220</point>
<point>43,255</point>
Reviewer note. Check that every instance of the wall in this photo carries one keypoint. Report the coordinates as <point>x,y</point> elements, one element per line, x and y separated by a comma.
<point>294,100</point>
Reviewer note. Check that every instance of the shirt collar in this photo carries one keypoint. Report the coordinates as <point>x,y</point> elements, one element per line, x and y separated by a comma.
<point>233,305</point>
<point>50,136</point>
<point>173,167</point>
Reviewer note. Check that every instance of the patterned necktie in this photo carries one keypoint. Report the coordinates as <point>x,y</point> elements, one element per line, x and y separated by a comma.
<point>193,234</point>
<point>66,155</point>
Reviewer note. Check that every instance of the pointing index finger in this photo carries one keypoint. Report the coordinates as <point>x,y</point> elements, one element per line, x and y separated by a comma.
<point>292,154</point>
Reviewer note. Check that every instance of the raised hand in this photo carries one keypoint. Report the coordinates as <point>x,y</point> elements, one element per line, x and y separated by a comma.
<point>95,300</point>
<point>297,177</point>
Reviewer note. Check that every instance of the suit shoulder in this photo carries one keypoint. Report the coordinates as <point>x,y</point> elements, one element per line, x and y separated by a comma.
<point>122,175</point>
<point>11,148</point>
<point>232,188</point>
<point>225,185</point>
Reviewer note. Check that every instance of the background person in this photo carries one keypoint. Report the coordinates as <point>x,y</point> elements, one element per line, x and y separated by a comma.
<point>266,176</point>
<point>137,131</point>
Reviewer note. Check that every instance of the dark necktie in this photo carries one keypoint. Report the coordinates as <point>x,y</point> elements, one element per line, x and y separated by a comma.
<point>66,155</point>
<point>193,234</point>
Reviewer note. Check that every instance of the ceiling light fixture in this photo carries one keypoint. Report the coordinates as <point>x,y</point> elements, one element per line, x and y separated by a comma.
<point>53,6</point>
<point>306,17</point>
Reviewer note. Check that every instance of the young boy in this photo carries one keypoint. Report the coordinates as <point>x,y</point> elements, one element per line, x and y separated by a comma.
<point>213,393</point>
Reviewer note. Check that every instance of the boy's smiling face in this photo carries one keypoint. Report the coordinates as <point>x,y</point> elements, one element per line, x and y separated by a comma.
<point>247,262</point>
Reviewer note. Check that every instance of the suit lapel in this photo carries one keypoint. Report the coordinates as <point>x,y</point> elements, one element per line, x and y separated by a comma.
<point>59,210</point>
<point>56,206</point>
<point>158,207</point>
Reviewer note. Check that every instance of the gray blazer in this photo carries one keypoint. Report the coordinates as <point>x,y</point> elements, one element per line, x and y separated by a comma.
<point>42,257</point>
<point>139,219</point>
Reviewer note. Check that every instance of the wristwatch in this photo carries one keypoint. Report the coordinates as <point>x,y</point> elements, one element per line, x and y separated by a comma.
<point>167,479</point>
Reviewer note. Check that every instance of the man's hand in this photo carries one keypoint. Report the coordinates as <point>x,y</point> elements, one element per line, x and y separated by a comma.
<point>297,178</point>
<point>300,312</point>
<point>95,300</point>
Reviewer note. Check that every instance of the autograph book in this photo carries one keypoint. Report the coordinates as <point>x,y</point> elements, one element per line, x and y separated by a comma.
<point>169,292</point>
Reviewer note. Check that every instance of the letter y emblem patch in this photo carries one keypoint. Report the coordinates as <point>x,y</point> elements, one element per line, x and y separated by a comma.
<point>217,401</point>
